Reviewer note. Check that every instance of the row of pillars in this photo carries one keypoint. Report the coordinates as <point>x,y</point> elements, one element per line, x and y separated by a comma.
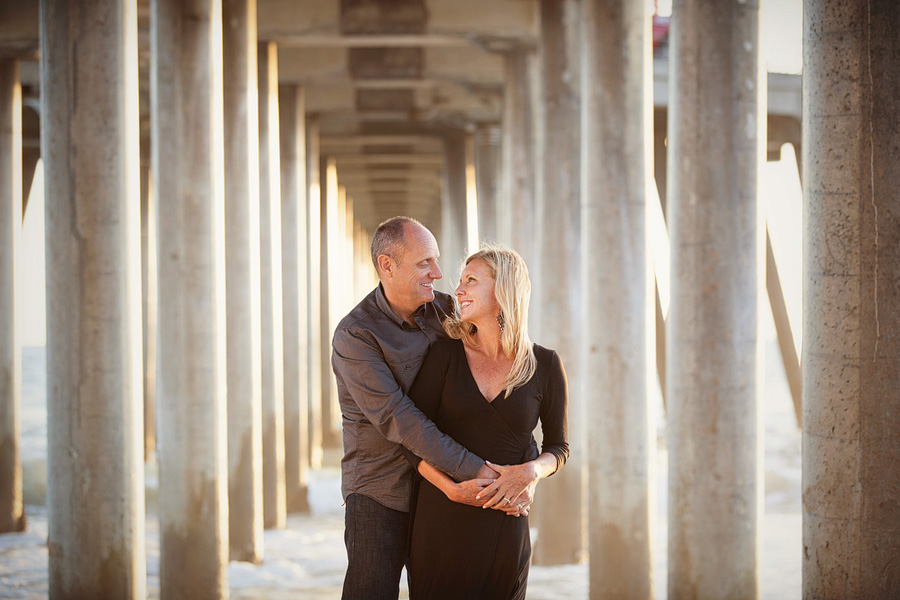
<point>232,295</point>
<point>590,122</point>
<point>575,176</point>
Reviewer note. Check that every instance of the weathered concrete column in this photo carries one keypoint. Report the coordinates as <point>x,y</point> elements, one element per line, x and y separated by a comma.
<point>89,133</point>
<point>242,280</point>
<point>12,514</point>
<point>149,249</point>
<point>452,240</point>
<point>188,159</point>
<point>851,328</point>
<point>487,178</point>
<point>274,513</point>
<point>327,294</point>
<point>617,96</point>
<point>559,292</point>
<point>517,207</point>
<point>716,143</point>
<point>295,303</point>
<point>314,272</point>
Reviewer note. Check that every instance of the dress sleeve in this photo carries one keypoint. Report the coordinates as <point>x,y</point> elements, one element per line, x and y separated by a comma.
<point>358,361</point>
<point>554,412</point>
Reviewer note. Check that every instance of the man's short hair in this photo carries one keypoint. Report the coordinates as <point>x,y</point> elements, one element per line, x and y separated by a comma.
<point>389,237</point>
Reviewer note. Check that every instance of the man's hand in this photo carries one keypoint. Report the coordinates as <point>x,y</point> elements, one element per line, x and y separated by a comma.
<point>486,472</point>
<point>466,492</point>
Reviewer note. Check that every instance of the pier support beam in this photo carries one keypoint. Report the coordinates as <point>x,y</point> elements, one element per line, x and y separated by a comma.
<point>617,97</point>
<point>188,158</point>
<point>487,177</point>
<point>314,292</point>
<point>515,218</point>
<point>851,308</point>
<point>453,239</point>
<point>12,514</point>
<point>242,281</point>
<point>274,503</point>
<point>292,120</point>
<point>559,291</point>
<point>716,145</point>
<point>95,472</point>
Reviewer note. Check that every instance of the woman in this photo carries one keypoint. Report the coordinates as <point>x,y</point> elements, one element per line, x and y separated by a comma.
<point>487,387</point>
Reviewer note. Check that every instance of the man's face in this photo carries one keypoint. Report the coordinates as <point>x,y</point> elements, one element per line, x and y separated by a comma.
<point>410,282</point>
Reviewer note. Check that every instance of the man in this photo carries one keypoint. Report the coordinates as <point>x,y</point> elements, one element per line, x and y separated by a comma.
<point>377,351</point>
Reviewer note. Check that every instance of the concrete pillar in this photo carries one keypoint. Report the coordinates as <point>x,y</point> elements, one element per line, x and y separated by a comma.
<point>188,174</point>
<point>453,238</point>
<point>517,207</point>
<point>559,295</point>
<point>12,514</point>
<point>149,312</point>
<point>328,313</point>
<point>95,472</point>
<point>716,143</point>
<point>242,281</point>
<point>314,299</point>
<point>851,328</point>
<point>350,299</point>
<point>487,179</point>
<point>295,303</point>
<point>617,97</point>
<point>274,503</point>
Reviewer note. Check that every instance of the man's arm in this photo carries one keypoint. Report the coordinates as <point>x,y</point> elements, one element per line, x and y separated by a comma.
<point>359,364</point>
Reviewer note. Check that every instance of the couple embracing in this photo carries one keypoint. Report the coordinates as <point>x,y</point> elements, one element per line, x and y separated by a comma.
<point>439,403</point>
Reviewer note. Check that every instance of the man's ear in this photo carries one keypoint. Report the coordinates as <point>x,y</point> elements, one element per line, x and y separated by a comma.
<point>385,263</point>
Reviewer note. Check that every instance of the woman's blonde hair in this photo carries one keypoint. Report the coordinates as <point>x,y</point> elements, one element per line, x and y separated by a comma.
<point>512,289</point>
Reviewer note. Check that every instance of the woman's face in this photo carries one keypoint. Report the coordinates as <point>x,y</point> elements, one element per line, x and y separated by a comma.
<point>475,293</point>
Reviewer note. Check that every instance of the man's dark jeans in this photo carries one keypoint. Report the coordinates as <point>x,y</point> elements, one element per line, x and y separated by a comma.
<point>376,538</point>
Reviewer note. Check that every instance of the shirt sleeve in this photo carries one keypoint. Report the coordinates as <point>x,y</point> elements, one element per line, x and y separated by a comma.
<point>426,390</point>
<point>554,413</point>
<point>358,361</point>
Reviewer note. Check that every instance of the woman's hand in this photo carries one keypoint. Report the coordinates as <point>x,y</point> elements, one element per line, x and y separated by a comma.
<point>513,489</point>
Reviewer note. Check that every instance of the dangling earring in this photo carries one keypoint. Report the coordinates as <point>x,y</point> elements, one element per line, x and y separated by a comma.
<point>501,321</point>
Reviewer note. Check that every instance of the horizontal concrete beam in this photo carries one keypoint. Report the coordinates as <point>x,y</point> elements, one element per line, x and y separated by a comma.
<point>388,159</point>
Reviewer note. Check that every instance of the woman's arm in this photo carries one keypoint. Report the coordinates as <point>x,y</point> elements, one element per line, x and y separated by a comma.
<point>517,482</point>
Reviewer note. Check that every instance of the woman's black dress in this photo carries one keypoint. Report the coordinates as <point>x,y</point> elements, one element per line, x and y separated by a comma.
<point>459,551</point>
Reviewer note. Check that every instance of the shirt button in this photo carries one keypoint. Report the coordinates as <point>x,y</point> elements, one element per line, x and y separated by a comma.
<point>406,367</point>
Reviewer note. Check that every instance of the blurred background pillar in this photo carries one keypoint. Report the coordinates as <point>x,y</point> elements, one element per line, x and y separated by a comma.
<point>716,146</point>
<point>617,97</point>
<point>12,514</point>
<point>487,177</point>
<point>274,503</point>
<point>559,292</point>
<point>330,280</point>
<point>851,308</point>
<point>90,137</point>
<point>452,238</point>
<point>516,204</point>
<point>314,292</point>
<point>149,312</point>
<point>242,281</point>
<point>188,158</point>
<point>292,121</point>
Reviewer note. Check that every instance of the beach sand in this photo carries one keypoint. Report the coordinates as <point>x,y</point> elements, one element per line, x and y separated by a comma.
<point>306,560</point>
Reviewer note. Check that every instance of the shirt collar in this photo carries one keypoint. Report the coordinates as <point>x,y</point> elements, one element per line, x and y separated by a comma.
<point>382,303</point>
